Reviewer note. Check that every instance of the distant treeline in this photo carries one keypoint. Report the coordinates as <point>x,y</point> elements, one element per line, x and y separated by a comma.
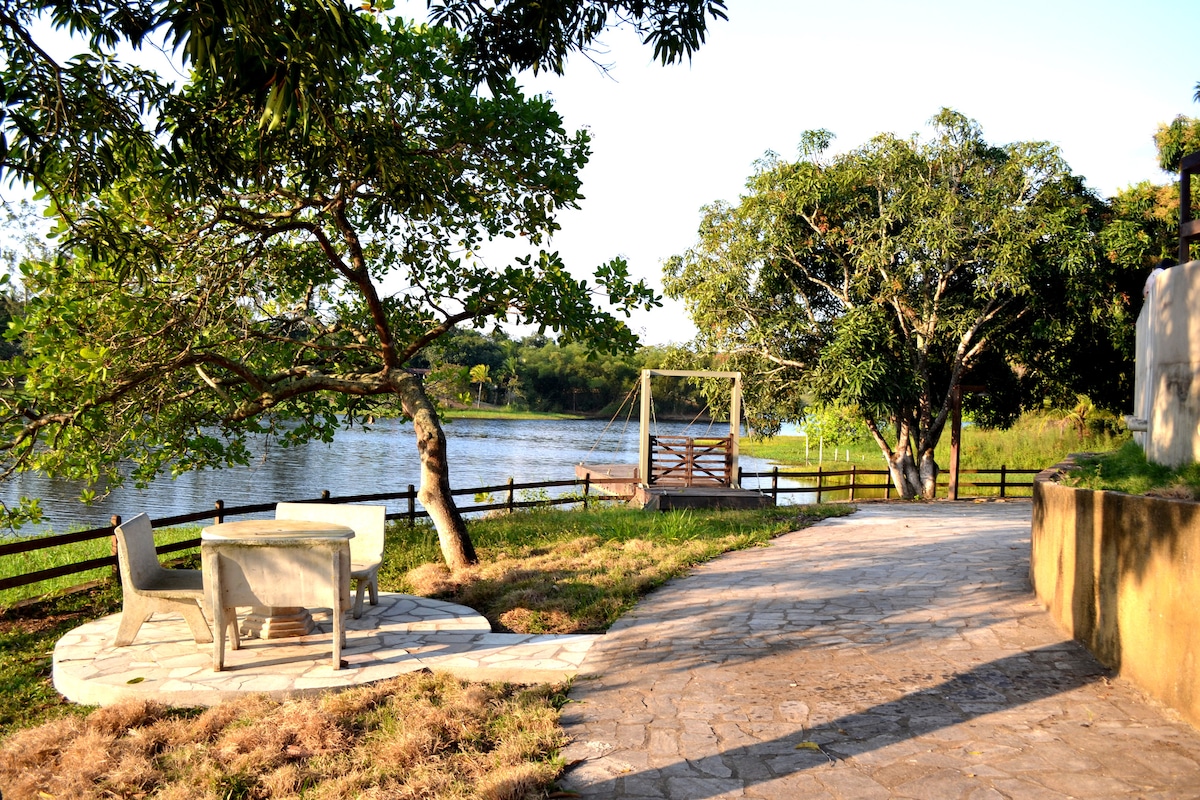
<point>537,373</point>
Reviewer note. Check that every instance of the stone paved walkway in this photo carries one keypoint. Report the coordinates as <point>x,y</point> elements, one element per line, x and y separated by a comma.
<point>895,653</point>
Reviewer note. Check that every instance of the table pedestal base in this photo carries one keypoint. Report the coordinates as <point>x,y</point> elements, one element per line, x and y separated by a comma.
<point>277,622</point>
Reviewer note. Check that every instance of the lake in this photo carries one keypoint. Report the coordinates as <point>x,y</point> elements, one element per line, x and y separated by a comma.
<point>382,459</point>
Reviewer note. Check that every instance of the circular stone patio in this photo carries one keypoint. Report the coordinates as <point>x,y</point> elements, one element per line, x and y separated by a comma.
<point>401,634</point>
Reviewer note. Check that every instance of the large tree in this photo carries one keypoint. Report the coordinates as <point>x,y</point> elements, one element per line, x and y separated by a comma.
<point>887,277</point>
<point>213,184</point>
<point>189,312</point>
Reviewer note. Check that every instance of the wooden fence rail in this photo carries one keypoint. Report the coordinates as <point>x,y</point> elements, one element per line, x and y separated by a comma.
<point>220,512</point>
<point>856,484</point>
<point>875,480</point>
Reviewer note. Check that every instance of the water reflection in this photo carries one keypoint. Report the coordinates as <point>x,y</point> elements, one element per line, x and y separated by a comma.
<point>382,459</point>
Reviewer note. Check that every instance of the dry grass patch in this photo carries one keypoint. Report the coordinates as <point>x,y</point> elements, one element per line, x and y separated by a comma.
<point>538,573</point>
<point>418,736</point>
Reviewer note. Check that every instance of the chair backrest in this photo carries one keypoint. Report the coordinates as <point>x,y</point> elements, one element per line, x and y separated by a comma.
<point>368,523</point>
<point>135,552</point>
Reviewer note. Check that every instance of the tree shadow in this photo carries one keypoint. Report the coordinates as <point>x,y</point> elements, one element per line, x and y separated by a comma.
<point>826,654</point>
<point>993,688</point>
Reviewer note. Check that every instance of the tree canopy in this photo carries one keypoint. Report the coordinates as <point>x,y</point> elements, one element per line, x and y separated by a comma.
<point>290,298</point>
<point>886,278</point>
<point>71,125</point>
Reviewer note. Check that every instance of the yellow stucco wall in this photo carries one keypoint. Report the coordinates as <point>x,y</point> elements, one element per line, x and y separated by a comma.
<point>1121,574</point>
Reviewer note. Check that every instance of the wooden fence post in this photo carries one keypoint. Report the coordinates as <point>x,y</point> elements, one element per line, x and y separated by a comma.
<point>820,481</point>
<point>1003,471</point>
<point>587,486</point>
<point>853,478</point>
<point>219,517</point>
<point>775,484</point>
<point>510,495</point>
<point>116,568</point>
<point>412,506</point>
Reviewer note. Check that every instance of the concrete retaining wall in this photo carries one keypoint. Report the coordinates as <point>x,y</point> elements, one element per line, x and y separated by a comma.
<point>1121,574</point>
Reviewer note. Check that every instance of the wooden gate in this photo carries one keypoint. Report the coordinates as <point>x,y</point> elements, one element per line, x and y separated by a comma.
<point>688,461</point>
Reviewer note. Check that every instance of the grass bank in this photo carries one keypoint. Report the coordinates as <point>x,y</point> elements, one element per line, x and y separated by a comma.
<point>1036,441</point>
<point>1127,470</point>
<point>420,736</point>
<point>554,571</point>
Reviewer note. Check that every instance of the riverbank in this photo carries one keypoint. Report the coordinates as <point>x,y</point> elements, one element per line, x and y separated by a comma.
<point>1034,442</point>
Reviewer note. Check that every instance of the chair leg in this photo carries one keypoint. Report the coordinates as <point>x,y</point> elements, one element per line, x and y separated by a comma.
<point>132,617</point>
<point>358,597</point>
<point>373,588</point>
<point>194,616</point>
<point>235,637</point>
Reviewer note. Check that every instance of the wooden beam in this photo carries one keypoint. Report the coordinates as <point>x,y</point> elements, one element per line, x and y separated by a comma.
<point>643,476</point>
<point>735,428</point>
<point>692,373</point>
<point>1189,164</point>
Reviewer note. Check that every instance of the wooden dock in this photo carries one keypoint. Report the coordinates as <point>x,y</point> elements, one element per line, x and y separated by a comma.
<point>668,497</point>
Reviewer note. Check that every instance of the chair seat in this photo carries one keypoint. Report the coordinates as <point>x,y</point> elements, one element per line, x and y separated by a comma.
<point>188,583</point>
<point>364,568</point>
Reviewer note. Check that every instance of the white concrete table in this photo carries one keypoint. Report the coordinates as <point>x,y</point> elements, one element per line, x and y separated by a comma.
<point>280,568</point>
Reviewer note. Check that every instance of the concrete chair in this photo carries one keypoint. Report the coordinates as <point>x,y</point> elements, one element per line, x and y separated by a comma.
<point>148,588</point>
<point>366,548</point>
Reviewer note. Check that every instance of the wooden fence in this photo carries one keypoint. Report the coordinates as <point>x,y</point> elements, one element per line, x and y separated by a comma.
<point>851,483</point>
<point>219,513</point>
<point>854,480</point>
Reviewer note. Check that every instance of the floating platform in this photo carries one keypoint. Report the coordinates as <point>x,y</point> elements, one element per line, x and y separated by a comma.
<point>667,497</point>
<point>624,477</point>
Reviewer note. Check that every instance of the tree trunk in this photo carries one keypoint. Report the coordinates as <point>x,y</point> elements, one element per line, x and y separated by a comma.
<point>903,469</point>
<point>904,475</point>
<point>434,493</point>
<point>929,473</point>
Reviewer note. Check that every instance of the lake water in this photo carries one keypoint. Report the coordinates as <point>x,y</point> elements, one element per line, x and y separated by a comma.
<point>382,459</point>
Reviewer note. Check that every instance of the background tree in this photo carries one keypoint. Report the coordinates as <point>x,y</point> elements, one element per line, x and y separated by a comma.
<point>480,376</point>
<point>884,278</point>
<point>260,306</point>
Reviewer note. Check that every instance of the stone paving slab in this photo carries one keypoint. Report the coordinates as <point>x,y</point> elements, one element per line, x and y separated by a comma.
<point>894,653</point>
<point>401,634</point>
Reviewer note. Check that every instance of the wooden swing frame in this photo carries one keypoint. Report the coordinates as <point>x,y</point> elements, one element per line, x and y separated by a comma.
<point>692,463</point>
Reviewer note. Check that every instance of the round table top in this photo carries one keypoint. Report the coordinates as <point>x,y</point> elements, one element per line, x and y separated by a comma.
<point>257,530</point>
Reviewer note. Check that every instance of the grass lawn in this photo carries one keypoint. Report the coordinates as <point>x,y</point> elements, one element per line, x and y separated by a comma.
<point>1127,470</point>
<point>1037,441</point>
<point>35,560</point>
<point>417,736</point>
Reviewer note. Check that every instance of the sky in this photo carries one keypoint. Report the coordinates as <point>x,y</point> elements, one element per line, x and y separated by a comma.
<point>1094,78</point>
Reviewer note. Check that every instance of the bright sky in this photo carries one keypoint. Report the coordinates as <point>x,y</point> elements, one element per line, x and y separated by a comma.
<point>1094,78</point>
